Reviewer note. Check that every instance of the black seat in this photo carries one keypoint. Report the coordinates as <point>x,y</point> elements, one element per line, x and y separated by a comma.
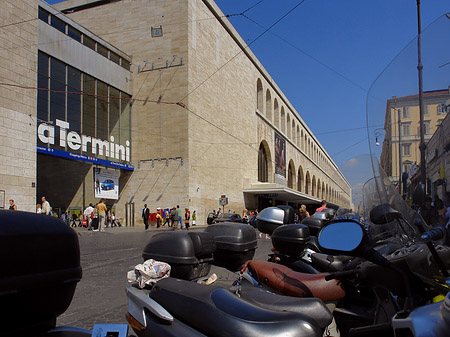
<point>311,307</point>
<point>216,312</point>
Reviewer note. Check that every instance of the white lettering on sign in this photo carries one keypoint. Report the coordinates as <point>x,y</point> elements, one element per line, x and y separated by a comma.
<point>74,141</point>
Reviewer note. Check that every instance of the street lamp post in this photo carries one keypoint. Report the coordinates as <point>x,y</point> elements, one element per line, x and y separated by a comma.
<point>422,145</point>
<point>399,153</point>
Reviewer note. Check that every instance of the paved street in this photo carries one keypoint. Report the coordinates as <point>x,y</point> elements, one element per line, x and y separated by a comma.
<point>106,258</point>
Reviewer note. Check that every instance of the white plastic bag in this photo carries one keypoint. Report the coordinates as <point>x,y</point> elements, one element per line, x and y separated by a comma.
<point>148,273</point>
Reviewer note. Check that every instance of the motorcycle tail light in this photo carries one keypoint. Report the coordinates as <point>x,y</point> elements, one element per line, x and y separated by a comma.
<point>134,323</point>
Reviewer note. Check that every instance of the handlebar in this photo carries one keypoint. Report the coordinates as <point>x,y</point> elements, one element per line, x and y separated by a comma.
<point>433,234</point>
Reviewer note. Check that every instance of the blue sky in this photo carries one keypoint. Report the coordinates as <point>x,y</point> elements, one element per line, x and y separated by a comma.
<point>326,53</point>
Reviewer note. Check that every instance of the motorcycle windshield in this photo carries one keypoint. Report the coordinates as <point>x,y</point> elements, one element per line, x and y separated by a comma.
<point>393,115</point>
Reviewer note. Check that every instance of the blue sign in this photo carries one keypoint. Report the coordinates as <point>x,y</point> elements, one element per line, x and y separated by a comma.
<point>82,157</point>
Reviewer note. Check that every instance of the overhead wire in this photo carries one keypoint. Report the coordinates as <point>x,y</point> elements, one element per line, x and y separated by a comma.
<point>309,55</point>
<point>242,50</point>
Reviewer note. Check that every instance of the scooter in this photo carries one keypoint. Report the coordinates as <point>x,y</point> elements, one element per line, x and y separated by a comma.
<point>175,307</point>
<point>404,289</point>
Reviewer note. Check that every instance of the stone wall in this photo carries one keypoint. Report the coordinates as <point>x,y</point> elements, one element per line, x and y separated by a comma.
<point>18,66</point>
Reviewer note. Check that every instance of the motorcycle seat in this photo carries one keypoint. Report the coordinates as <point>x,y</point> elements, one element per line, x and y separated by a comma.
<point>285,281</point>
<point>215,311</point>
<point>309,306</point>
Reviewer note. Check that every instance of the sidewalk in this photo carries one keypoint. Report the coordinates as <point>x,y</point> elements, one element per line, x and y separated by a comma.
<point>132,229</point>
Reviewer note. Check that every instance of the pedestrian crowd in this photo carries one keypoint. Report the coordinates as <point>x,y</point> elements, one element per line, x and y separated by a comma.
<point>172,217</point>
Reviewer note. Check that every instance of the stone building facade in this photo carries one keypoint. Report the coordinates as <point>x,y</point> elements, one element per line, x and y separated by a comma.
<point>202,97</point>
<point>207,120</point>
<point>18,64</point>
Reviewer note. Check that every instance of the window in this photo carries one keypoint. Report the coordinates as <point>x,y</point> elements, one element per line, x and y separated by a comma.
<point>406,149</point>
<point>74,33</point>
<point>114,57</point>
<point>125,64</point>
<point>102,50</point>
<point>88,42</point>
<point>427,110</point>
<point>157,31</point>
<point>58,24</point>
<point>406,129</point>
<point>262,164</point>
<point>405,112</point>
<point>43,94</point>
<point>74,98</point>
<point>58,87</point>
<point>426,128</point>
<point>443,109</point>
<point>43,15</point>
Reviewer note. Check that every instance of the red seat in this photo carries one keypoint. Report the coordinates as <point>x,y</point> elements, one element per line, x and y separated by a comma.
<point>291,283</point>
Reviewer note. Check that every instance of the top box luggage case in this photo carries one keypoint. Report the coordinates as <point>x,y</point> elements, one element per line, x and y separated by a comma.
<point>188,253</point>
<point>290,239</point>
<point>314,224</point>
<point>272,217</point>
<point>235,243</point>
<point>40,268</point>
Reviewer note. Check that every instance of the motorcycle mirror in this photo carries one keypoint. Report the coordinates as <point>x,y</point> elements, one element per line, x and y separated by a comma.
<point>348,237</point>
<point>341,236</point>
<point>383,214</point>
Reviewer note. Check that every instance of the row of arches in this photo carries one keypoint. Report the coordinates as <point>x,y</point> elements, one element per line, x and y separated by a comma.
<point>285,122</point>
<point>299,178</point>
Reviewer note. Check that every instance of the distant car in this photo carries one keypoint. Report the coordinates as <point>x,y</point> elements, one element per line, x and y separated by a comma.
<point>227,217</point>
<point>108,184</point>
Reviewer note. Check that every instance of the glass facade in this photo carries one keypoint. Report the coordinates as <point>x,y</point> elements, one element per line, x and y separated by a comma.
<point>75,34</point>
<point>91,107</point>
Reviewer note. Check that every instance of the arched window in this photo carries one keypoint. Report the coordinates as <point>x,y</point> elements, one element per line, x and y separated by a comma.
<point>300,179</point>
<point>307,182</point>
<point>259,96</point>
<point>323,190</point>
<point>276,113</point>
<point>313,189</point>
<point>263,168</point>
<point>268,105</point>
<point>289,126</point>
<point>318,188</point>
<point>298,137</point>
<point>294,136</point>
<point>283,120</point>
<point>291,174</point>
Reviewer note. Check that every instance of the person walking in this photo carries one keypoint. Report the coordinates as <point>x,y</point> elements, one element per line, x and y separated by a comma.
<point>322,207</point>
<point>46,208</point>
<point>158,217</point>
<point>38,209</point>
<point>174,218</point>
<point>101,215</point>
<point>187,218</point>
<point>194,218</point>
<point>87,214</point>
<point>179,217</point>
<point>145,216</point>
<point>94,217</point>
<point>113,219</point>
<point>12,205</point>
<point>166,218</point>
<point>303,213</point>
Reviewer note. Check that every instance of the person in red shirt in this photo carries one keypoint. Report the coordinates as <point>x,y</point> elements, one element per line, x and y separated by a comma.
<point>321,208</point>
